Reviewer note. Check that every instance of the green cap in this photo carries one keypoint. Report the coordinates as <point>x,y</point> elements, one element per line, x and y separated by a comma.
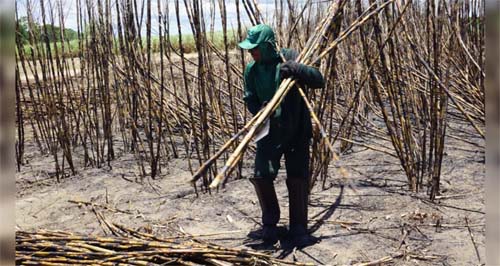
<point>256,35</point>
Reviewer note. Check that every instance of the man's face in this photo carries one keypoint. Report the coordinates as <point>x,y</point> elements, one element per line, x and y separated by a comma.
<point>255,52</point>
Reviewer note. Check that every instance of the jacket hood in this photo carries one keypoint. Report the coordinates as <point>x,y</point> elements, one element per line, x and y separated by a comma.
<point>261,36</point>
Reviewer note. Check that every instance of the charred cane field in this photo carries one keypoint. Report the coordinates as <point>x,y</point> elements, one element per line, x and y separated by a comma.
<point>134,145</point>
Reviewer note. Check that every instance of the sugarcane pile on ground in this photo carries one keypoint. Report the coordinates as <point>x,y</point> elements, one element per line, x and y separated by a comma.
<point>64,248</point>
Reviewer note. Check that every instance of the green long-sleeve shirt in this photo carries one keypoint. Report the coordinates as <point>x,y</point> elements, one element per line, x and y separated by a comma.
<point>291,122</point>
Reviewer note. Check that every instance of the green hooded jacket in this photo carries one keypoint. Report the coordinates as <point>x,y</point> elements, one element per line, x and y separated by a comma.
<point>291,122</point>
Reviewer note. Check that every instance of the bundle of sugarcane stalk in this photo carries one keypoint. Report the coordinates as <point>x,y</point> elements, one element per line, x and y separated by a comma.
<point>65,248</point>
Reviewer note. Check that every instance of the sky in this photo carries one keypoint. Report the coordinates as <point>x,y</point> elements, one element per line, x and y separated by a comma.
<point>70,13</point>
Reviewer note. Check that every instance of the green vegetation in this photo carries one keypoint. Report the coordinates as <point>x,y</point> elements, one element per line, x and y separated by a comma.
<point>43,32</point>
<point>72,48</point>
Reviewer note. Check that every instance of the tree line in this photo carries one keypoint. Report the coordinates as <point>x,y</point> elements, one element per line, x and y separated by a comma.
<point>53,32</point>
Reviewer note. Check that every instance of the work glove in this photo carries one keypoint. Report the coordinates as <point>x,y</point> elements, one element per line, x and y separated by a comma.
<point>290,69</point>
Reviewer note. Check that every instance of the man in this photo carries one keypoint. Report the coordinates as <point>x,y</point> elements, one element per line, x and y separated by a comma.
<point>289,134</point>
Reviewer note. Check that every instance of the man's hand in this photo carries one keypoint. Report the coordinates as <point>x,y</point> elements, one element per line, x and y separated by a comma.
<point>289,69</point>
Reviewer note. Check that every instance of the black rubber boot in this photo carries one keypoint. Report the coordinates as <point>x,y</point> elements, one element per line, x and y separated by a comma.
<point>270,208</point>
<point>298,191</point>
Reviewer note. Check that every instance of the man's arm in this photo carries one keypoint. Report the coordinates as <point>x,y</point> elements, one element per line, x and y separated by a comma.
<point>306,75</point>
<point>311,77</point>
<point>250,96</point>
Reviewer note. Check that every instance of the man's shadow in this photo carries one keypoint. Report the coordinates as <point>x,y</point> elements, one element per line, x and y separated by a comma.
<point>328,212</point>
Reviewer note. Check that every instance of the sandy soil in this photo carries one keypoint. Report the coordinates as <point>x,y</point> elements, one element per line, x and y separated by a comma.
<point>369,216</point>
<point>74,68</point>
